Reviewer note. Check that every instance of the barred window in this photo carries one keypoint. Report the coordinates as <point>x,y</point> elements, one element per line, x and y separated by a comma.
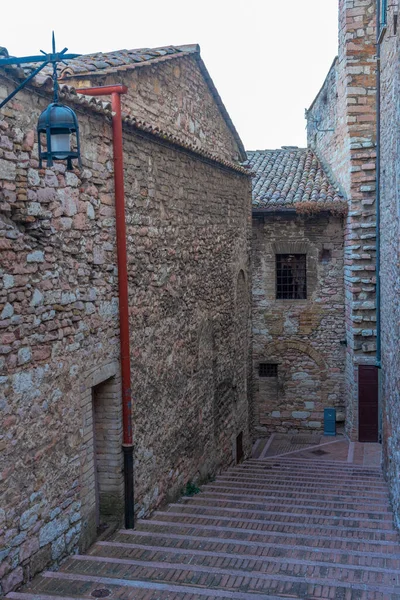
<point>267,370</point>
<point>291,280</point>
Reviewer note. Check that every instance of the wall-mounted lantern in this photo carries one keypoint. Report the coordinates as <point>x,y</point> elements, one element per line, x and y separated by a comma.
<point>58,123</point>
<point>58,130</point>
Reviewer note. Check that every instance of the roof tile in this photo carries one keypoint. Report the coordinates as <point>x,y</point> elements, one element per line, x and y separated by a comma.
<point>104,61</point>
<point>285,177</point>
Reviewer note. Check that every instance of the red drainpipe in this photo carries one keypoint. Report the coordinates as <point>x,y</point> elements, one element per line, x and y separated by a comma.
<point>127,444</point>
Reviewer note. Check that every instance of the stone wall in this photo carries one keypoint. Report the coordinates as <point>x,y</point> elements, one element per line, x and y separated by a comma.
<point>303,337</point>
<point>327,129</point>
<point>175,97</point>
<point>347,104</point>
<point>390,254</point>
<point>188,254</point>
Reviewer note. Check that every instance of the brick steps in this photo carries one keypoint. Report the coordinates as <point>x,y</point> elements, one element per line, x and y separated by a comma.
<point>293,581</point>
<point>208,566</point>
<point>331,549</point>
<point>284,527</point>
<point>342,481</point>
<point>233,495</point>
<point>292,492</point>
<point>307,516</point>
<point>296,464</point>
<point>138,590</point>
<point>276,537</point>
<point>267,474</point>
<point>265,537</point>
<point>250,535</point>
<point>171,554</point>
<point>342,488</point>
<point>313,464</point>
<point>294,507</point>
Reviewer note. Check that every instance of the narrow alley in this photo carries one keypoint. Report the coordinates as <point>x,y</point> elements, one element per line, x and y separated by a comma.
<point>307,517</point>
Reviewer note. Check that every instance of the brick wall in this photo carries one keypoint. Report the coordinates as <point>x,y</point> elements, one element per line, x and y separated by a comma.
<point>390,255</point>
<point>347,104</point>
<point>188,242</point>
<point>301,336</point>
<point>101,475</point>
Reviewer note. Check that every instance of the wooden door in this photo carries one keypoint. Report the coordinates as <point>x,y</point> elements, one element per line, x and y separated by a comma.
<point>367,403</point>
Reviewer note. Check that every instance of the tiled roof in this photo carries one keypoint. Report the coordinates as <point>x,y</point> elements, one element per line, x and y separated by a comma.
<point>123,59</point>
<point>284,178</point>
<point>102,63</point>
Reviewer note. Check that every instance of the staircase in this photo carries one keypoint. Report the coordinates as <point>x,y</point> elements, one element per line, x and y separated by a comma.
<point>268,529</point>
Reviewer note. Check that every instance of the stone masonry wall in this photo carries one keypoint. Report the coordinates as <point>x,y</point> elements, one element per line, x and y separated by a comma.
<point>188,244</point>
<point>350,153</point>
<point>303,337</point>
<point>390,254</point>
<point>327,129</point>
<point>175,97</point>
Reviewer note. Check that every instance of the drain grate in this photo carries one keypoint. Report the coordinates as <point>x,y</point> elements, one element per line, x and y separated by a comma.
<point>101,593</point>
<point>319,452</point>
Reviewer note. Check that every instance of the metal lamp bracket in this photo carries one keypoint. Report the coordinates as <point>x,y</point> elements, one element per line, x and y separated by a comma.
<point>45,59</point>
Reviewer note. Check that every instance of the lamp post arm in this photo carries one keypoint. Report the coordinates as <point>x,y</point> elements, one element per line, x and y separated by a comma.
<point>57,57</point>
<point>23,84</point>
<point>44,58</point>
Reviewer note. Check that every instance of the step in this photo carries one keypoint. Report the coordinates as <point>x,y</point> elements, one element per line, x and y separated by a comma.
<point>342,488</point>
<point>287,475</point>
<point>226,577</point>
<point>294,479</point>
<point>222,540</point>
<point>271,535</point>
<point>144,590</point>
<point>306,465</point>
<point>292,505</point>
<point>166,554</point>
<point>313,463</point>
<point>305,460</point>
<point>266,477</point>
<point>294,499</point>
<point>240,567</point>
<point>293,493</point>
<point>282,525</point>
<point>307,515</point>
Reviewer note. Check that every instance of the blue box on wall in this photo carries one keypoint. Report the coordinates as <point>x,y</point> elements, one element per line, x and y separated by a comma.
<point>329,421</point>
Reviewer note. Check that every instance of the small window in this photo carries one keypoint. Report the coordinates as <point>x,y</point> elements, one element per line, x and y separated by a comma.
<point>325,256</point>
<point>267,370</point>
<point>291,277</point>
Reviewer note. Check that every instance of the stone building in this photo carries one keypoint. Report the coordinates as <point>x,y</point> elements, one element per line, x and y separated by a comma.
<point>341,126</point>
<point>389,230</point>
<point>362,153</point>
<point>188,213</point>
<point>298,292</point>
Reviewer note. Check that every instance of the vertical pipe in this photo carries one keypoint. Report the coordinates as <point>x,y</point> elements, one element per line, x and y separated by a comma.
<point>127,442</point>
<point>378,226</point>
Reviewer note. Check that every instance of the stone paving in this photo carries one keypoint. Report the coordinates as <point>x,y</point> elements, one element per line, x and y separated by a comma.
<point>306,447</point>
<point>298,524</point>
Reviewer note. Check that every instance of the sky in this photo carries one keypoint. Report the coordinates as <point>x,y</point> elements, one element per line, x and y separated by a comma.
<point>267,58</point>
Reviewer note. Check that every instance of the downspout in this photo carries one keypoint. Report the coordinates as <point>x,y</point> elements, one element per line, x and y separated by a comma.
<point>378,233</point>
<point>127,442</point>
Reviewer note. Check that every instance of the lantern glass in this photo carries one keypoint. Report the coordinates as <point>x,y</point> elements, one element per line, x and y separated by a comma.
<point>58,123</point>
<point>60,145</point>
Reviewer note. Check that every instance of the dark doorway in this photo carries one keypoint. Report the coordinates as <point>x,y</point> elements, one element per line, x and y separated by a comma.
<point>239,448</point>
<point>367,403</point>
<point>107,453</point>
